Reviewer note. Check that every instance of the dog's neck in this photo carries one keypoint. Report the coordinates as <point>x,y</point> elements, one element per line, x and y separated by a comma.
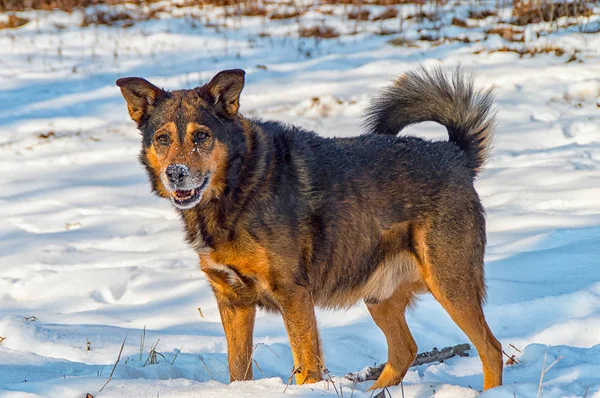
<point>214,221</point>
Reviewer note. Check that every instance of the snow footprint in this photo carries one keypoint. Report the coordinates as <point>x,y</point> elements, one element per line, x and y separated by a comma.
<point>111,294</point>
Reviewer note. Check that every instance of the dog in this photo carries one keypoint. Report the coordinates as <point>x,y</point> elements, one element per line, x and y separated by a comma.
<point>285,220</point>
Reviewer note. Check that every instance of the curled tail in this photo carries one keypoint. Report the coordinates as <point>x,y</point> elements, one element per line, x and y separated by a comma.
<point>452,101</point>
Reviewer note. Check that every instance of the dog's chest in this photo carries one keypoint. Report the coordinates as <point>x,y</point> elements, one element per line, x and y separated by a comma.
<point>246,265</point>
<point>198,243</point>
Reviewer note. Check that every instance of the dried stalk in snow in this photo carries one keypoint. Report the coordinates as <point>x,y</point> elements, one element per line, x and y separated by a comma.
<point>435,355</point>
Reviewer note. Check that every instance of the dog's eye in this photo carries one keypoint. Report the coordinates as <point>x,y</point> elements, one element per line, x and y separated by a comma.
<point>163,139</point>
<point>200,136</point>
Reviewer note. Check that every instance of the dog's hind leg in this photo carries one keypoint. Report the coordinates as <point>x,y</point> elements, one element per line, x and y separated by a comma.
<point>453,272</point>
<point>467,313</point>
<point>402,349</point>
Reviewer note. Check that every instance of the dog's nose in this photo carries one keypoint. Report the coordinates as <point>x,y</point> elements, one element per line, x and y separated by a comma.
<point>176,173</point>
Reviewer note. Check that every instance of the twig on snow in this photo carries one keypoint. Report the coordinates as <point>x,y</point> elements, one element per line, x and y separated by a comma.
<point>435,355</point>
<point>544,370</point>
<point>116,363</point>
<point>207,369</point>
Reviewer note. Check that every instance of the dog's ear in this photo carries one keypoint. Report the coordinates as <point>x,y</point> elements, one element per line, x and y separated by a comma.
<point>141,96</point>
<point>223,91</point>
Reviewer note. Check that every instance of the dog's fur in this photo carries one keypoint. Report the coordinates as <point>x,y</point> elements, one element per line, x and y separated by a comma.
<point>286,220</point>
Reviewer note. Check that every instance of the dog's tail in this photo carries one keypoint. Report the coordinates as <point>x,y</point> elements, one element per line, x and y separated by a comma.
<point>452,101</point>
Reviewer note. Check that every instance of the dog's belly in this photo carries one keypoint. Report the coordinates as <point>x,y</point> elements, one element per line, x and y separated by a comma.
<point>386,277</point>
<point>399,269</point>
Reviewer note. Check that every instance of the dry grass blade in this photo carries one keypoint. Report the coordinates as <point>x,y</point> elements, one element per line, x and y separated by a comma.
<point>142,340</point>
<point>289,381</point>
<point>382,393</point>
<point>116,363</point>
<point>544,370</point>
<point>258,367</point>
<point>2,339</point>
<point>268,348</point>
<point>176,354</point>
<point>539,392</point>
<point>152,356</point>
<point>330,380</point>
<point>207,369</point>
<point>249,366</point>
<point>512,359</point>
<point>515,348</point>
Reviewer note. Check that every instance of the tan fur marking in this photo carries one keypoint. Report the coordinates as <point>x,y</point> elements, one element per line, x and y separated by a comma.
<point>298,310</point>
<point>248,257</point>
<point>155,164</point>
<point>400,268</point>
<point>238,324</point>
<point>135,113</point>
<point>218,162</point>
<point>192,127</point>
<point>169,128</point>
<point>158,159</point>
<point>402,349</point>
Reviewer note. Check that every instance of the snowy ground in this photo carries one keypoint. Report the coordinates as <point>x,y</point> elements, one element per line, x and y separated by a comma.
<point>94,257</point>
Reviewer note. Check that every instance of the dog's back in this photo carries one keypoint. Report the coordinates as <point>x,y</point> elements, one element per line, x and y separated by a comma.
<point>384,218</point>
<point>357,190</point>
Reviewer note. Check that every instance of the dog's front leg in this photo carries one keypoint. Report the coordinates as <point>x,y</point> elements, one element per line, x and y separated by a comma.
<point>297,308</point>
<point>238,323</point>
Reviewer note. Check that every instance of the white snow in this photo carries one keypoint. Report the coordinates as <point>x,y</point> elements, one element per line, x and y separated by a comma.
<point>88,251</point>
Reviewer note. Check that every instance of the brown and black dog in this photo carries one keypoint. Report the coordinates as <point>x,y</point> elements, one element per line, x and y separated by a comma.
<point>286,220</point>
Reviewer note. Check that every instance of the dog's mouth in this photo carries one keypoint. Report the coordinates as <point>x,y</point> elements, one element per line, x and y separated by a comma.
<point>187,198</point>
<point>183,195</point>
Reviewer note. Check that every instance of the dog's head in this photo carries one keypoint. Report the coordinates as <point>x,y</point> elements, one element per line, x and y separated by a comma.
<point>187,134</point>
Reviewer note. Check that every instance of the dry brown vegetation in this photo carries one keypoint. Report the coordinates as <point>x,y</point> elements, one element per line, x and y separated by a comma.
<point>507,33</point>
<point>531,51</point>
<point>528,12</point>
<point>253,10</point>
<point>13,22</point>
<point>321,32</point>
<point>362,15</point>
<point>100,17</point>
<point>393,2</point>
<point>402,42</point>
<point>459,22</point>
<point>422,15</point>
<point>385,32</point>
<point>482,14</point>
<point>388,13</point>
<point>286,14</point>
<point>64,5</point>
